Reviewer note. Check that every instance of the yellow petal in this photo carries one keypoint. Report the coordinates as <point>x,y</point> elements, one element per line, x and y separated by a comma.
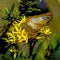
<point>15,55</point>
<point>47,30</point>
<point>38,37</point>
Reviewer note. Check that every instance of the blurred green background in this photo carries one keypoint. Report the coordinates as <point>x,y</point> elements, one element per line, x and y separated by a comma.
<point>54,7</point>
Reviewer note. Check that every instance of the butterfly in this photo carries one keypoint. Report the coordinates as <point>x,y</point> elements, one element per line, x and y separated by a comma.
<point>35,23</point>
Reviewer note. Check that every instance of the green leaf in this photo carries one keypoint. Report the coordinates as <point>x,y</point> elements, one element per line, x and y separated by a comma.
<point>31,3</point>
<point>7,55</point>
<point>6,11</point>
<point>12,8</point>
<point>45,45</point>
<point>54,42</point>
<point>38,58</point>
<point>39,47</point>
<point>55,55</point>
<point>37,50</point>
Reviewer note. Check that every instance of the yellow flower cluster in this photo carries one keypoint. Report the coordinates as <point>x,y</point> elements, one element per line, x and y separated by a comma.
<point>16,33</point>
<point>45,30</point>
<point>45,33</point>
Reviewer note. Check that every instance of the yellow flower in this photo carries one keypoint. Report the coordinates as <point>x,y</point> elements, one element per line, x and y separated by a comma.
<point>45,30</point>
<point>23,20</point>
<point>16,33</point>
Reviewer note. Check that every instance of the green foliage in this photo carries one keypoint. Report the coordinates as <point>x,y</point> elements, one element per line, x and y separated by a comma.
<point>55,55</point>
<point>10,14</point>
<point>54,41</point>
<point>44,47</point>
<point>28,7</point>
